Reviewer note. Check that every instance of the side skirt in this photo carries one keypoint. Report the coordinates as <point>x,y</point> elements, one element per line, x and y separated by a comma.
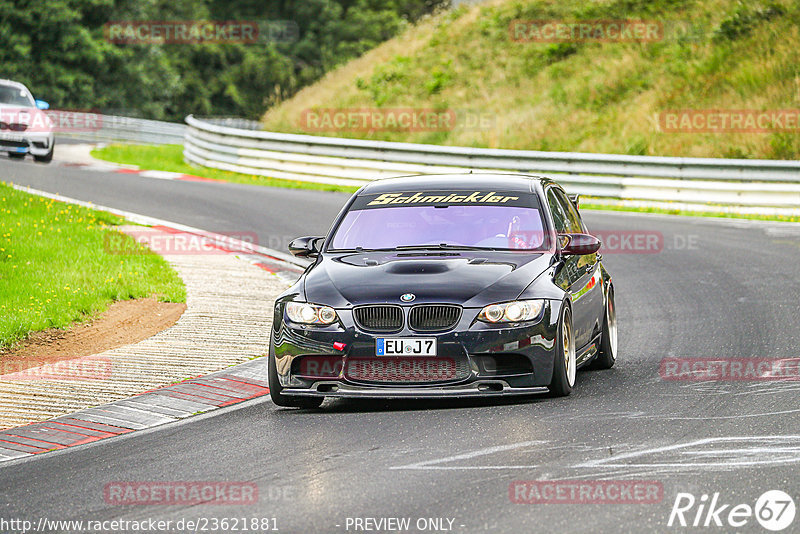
<point>587,353</point>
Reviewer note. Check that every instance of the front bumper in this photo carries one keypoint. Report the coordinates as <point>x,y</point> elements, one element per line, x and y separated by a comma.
<point>478,388</point>
<point>492,360</point>
<point>34,143</point>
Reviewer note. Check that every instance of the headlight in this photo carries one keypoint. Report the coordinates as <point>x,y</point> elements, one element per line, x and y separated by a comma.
<point>302,312</point>
<point>511,312</point>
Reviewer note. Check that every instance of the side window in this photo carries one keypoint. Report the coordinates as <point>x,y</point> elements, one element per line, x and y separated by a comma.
<point>559,217</point>
<point>572,217</point>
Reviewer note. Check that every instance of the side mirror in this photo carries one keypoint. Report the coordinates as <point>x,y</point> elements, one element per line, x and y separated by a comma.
<point>41,104</point>
<point>305,247</point>
<point>580,244</point>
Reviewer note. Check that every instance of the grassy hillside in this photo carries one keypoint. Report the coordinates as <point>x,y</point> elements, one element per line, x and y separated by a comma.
<point>573,96</point>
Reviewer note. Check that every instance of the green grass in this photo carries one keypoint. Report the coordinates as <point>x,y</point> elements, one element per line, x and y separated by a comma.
<point>170,158</point>
<point>688,213</point>
<point>55,268</point>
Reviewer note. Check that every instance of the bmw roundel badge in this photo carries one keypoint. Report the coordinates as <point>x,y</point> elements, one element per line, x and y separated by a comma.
<point>408,297</point>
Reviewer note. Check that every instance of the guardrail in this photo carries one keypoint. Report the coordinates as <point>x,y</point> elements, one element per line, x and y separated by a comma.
<point>762,185</point>
<point>94,127</point>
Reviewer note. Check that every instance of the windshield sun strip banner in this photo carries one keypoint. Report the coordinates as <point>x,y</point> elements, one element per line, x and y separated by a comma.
<point>486,197</point>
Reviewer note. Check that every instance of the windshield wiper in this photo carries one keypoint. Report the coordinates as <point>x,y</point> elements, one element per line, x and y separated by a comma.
<point>441,246</point>
<point>359,250</point>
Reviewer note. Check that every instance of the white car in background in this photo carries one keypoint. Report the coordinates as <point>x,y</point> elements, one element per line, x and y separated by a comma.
<point>24,126</point>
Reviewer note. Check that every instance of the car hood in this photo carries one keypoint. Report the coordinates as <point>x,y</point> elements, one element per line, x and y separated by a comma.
<point>471,280</point>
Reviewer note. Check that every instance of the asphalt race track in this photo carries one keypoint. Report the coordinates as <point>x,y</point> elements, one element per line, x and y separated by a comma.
<point>711,289</point>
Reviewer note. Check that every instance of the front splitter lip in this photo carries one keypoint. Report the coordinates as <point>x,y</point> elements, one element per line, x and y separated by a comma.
<point>480,388</point>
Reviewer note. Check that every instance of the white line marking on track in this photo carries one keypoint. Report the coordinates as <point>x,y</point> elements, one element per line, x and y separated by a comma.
<point>766,450</point>
<point>161,175</point>
<point>431,464</point>
<point>708,453</point>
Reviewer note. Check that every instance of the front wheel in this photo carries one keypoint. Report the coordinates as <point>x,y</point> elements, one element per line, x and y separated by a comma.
<point>607,355</point>
<point>47,158</point>
<point>287,401</point>
<point>564,368</point>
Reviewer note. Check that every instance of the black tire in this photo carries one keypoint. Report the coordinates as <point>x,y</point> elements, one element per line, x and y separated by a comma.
<point>17,155</point>
<point>607,355</point>
<point>287,401</point>
<point>564,367</point>
<point>47,158</point>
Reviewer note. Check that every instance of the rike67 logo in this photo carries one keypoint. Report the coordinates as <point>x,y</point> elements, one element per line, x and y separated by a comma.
<point>774,510</point>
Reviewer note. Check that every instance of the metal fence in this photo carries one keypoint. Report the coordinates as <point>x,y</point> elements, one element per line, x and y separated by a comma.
<point>92,127</point>
<point>757,184</point>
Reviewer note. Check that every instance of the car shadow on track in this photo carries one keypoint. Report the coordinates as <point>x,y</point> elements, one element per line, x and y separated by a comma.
<point>336,406</point>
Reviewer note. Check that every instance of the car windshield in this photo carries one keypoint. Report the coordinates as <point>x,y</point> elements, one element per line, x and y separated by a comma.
<point>443,225</point>
<point>15,96</point>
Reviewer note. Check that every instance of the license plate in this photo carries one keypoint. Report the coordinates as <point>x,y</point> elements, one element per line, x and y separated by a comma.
<point>405,346</point>
<point>15,138</point>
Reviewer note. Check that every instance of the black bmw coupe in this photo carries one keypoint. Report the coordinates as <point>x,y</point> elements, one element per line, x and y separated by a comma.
<point>445,286</point>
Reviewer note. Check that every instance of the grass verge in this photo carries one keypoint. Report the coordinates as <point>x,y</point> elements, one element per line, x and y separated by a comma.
<point>170,158</point>
<point>588,205</point>
<point>55,269</point>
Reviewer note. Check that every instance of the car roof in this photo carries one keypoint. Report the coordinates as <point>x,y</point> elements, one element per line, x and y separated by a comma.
<point>13,83</point>
<point>455,182</point>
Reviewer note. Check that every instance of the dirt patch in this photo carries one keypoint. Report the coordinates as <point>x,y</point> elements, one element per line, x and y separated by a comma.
<point>123,323</point>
